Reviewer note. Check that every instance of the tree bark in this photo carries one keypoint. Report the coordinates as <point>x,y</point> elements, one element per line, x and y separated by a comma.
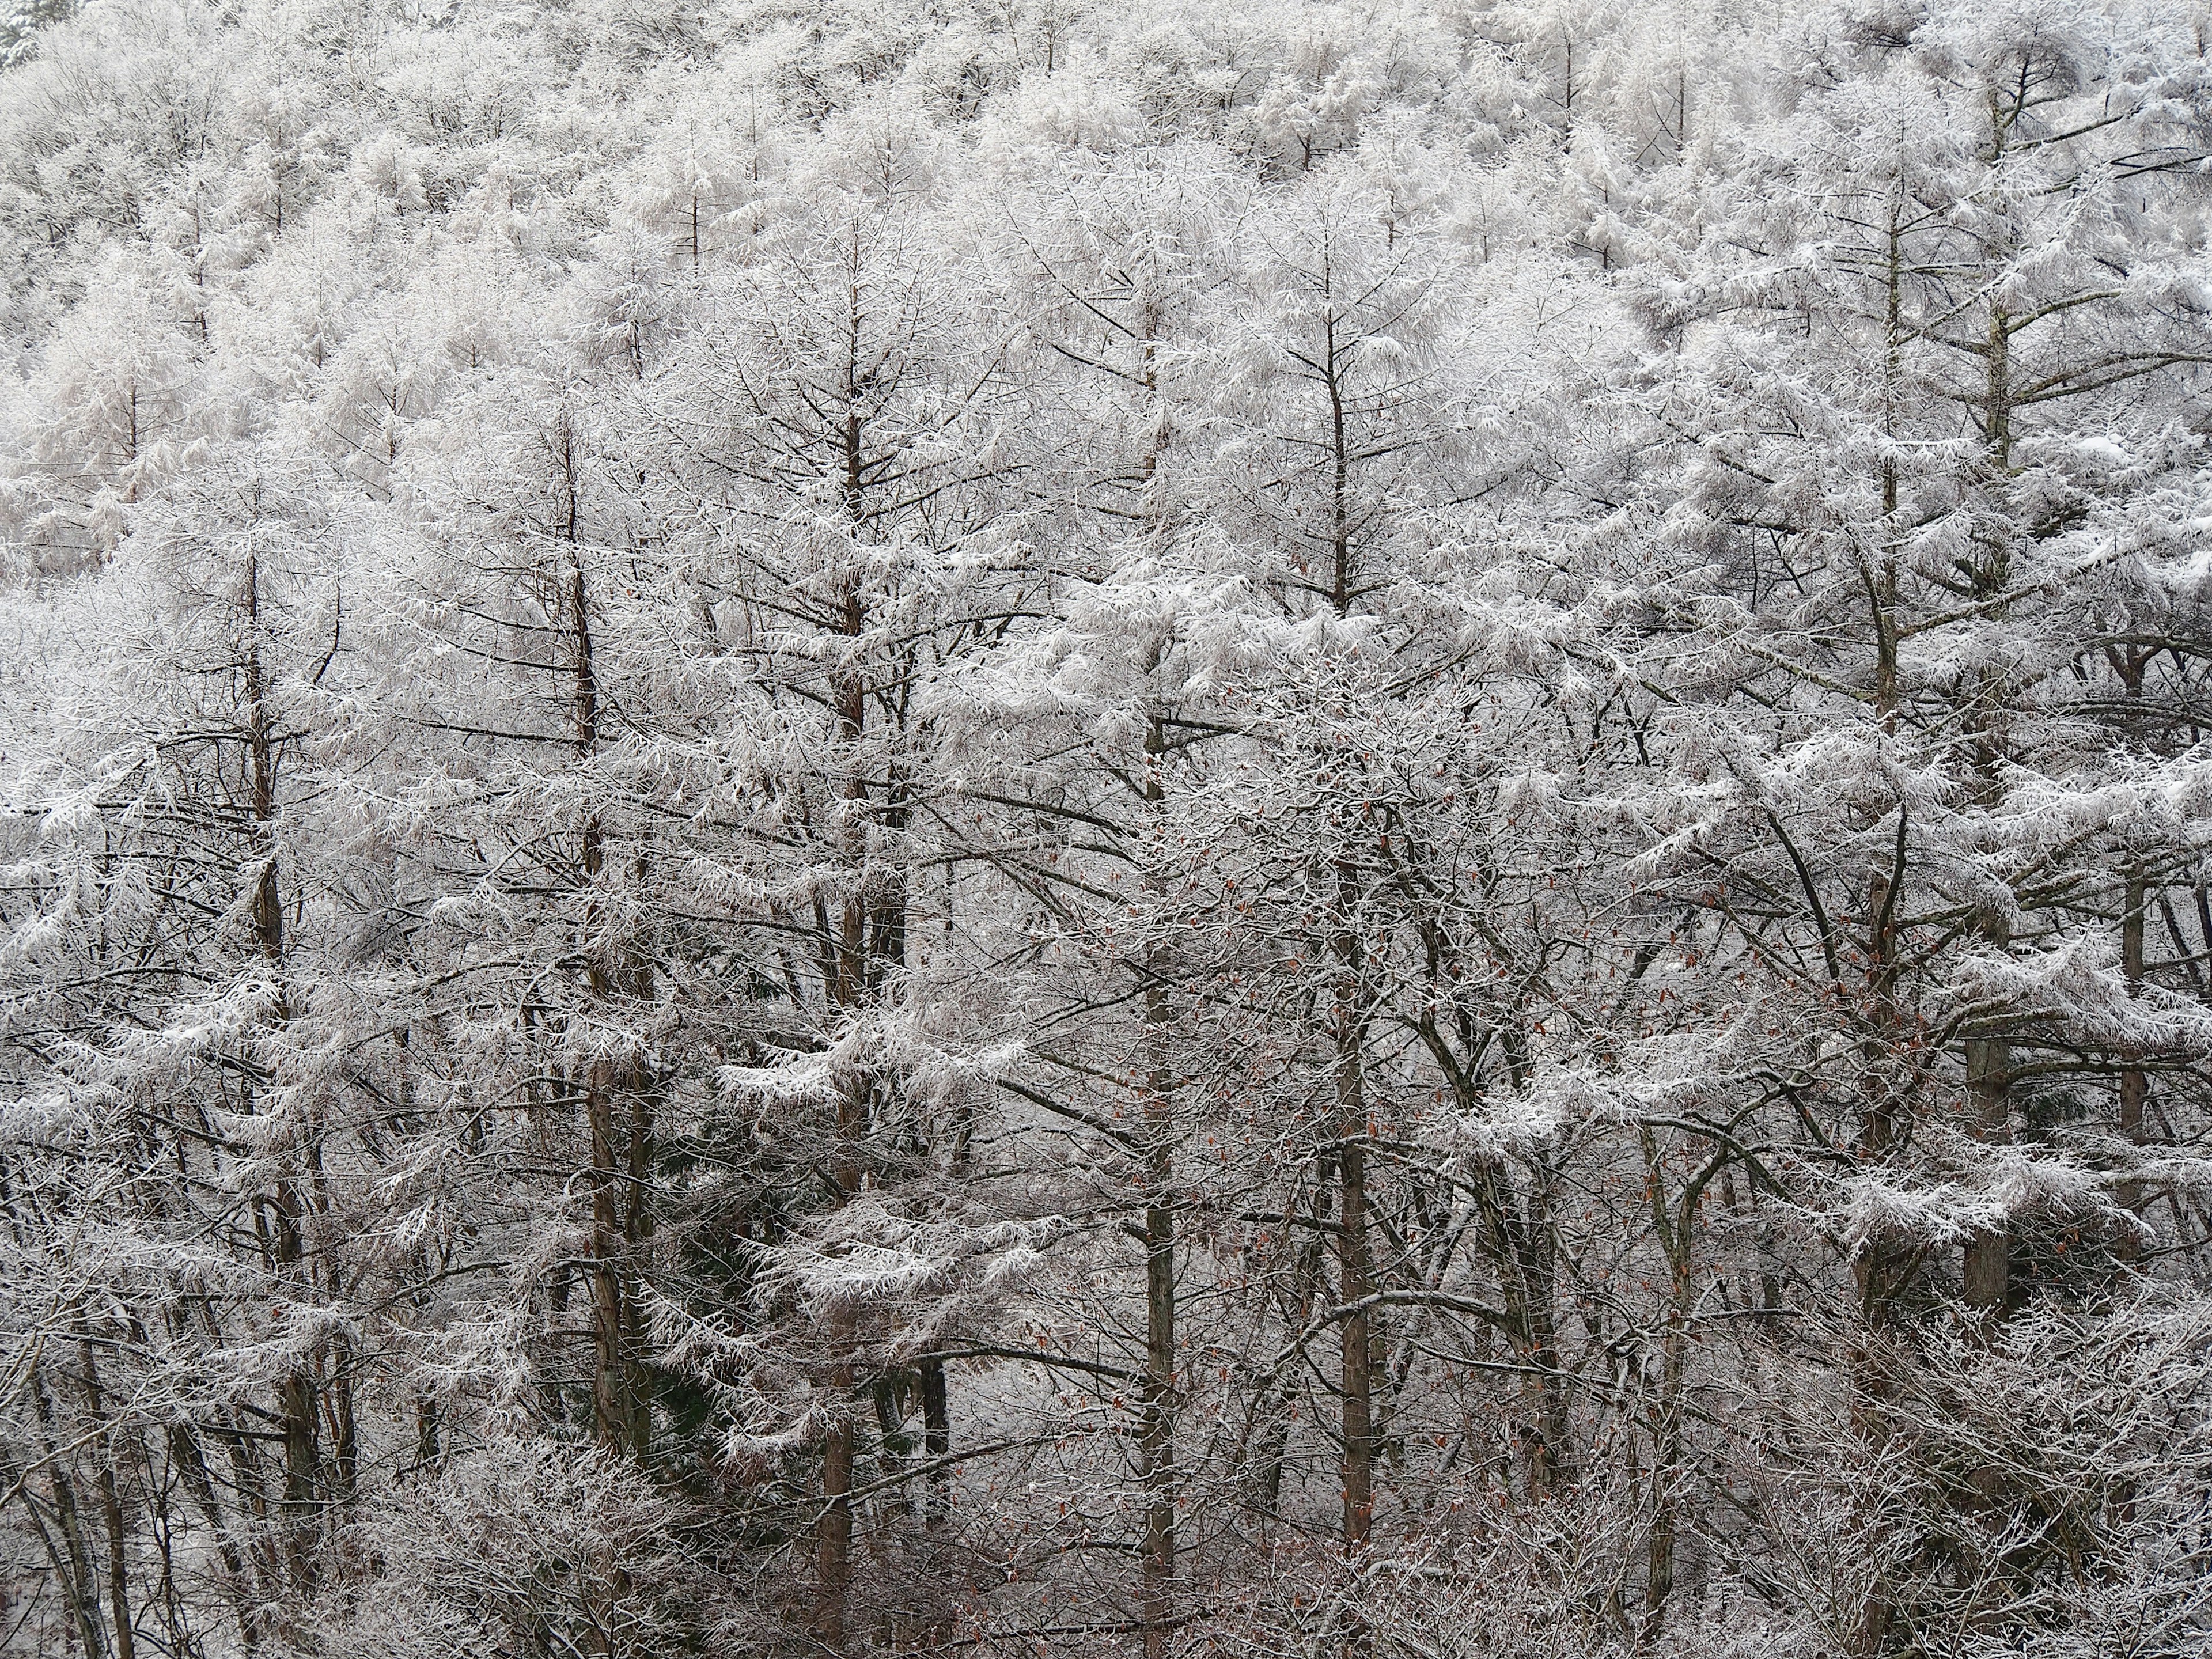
<point>1987,1270</point>
<point>1155,1434</point>
<point>81,1583</point>
<point>111,1506</point>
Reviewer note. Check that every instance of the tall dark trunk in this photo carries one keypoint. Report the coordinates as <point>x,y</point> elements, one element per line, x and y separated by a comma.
<point>111,1506</point>
<point>1987,1270</point>
<point>1156,1448</point>
<point>1355,1265</point>
<point>1155,1438</point>
<point>283,1211</point>
<point>2134,901</point>
<point>937,1439</point>
<point>832,1536</point>
<point>80,1581</point>
<point>869,926</point>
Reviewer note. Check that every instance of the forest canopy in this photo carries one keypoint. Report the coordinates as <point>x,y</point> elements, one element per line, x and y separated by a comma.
<point>1035,827</point>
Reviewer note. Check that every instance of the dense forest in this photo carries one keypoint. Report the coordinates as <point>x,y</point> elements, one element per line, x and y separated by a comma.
<point>1376,829</point>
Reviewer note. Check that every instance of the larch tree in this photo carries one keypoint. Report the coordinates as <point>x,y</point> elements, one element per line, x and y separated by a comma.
<point>944,828</point>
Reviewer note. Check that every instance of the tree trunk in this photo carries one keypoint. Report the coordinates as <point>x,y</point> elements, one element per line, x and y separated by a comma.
<point>2134,1082</point>
<point>1988,1265</point>
<point>833,1532</point>
<point>1355,1267</point>
<point>1155,1442</point>
<point>937,1440</point>
<point>111,1507</point>
<point>1156,1434</point>
<point>80,1582</point>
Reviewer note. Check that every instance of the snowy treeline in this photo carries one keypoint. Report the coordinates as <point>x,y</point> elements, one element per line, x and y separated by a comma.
<point>1086,827</point>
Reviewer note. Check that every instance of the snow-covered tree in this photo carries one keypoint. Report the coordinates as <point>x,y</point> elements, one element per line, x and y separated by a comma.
<point>1023,827</point>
